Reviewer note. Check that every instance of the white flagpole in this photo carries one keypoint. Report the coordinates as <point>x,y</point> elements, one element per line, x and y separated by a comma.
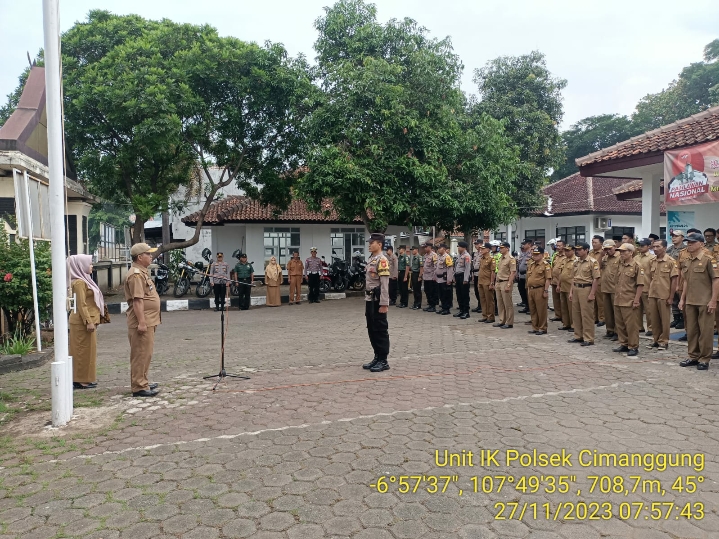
<point>62,367</point>
<point>31,242</point>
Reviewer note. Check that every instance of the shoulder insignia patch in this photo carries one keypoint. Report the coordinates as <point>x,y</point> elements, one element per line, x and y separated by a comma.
<point>137,271</point>
<point>448,261</point>
<point>383,267</point>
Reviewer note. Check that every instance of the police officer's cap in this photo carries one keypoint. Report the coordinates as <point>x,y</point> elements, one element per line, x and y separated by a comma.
<point>645,242</point>
<point>315,248</point>
<point>478,242</point>
<point>505,244</point>
<point>141,248</point>
<point>538,250</point>
<point>462,244</point>
<point>243,255</point>
<point>569,247</point>
<point>402,246</point>
<point>376,236</point>
<point>695,236</point>
<point>608,244</point>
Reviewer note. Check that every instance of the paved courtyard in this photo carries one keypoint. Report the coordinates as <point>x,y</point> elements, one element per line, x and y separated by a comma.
<point>314,446</point>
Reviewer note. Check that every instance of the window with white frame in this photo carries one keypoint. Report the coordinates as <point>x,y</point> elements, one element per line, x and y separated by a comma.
<point>280,242</point>
<point>346,241</point>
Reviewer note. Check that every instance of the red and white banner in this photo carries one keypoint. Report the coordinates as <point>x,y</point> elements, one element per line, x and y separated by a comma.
<point>694,174</point>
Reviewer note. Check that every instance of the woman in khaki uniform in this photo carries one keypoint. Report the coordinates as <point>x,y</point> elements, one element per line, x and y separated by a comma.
<point>89,304</point>
<point>273,280</point>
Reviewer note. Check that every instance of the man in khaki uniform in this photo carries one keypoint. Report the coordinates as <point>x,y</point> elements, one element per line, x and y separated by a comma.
<point>662,278</point>
<point>609,268</point>
<point>484,282</point>
<point>295,269</point>
<point>557,263</point>
<point>565,287</point>
<point>143,317</point>
<point>699,301</point>
<point>645,258</point>
<point>539,281</point>
<point>504,282</point>
<point>582,295</point>
<point>597,253</point>
<point>627,298</point>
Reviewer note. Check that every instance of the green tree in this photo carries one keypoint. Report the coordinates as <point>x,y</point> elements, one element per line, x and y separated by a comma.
<point>696,89</point>
<point>390,99</point>
<point>521,91</point>
<point>16,281</point>
<point>590,135</point>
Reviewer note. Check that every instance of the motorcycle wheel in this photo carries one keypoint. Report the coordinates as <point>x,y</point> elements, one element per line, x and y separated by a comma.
<point>359,284</point>
<point>341,285</point>
<point>162,288</point>
<point>181,287</point>
<point>203,288</point>
<point>324,286</point>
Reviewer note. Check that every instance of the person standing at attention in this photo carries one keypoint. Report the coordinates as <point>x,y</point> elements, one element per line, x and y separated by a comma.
<point>376,304</point>
<point>89,304</point>
<point>143,317</point>
<point>273,280</point>
<point>295,267</point>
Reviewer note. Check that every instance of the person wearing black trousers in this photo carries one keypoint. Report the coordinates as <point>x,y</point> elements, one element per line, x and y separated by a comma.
<point>416,268</point>
<point>444,278</point>
<point>461,277</point>
<point>376,304</point>
<point>427,273</point>
<point>475,272</point>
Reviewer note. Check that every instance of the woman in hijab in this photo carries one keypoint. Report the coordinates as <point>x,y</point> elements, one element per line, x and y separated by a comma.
<point>89,305</point>
<point>273,280</point>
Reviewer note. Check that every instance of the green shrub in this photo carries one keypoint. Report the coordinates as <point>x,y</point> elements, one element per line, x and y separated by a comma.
<point>18,344</point>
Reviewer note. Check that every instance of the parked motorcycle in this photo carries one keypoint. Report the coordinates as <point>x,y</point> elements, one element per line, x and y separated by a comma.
<point>356,272</point>
<point>204,287</point>
<point>338,274</point>
<point>162,279</point>
<point>325,279</point>
<point>183,283</point>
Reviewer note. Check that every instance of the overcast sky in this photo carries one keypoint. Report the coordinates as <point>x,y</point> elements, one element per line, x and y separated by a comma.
<point>611,52</point>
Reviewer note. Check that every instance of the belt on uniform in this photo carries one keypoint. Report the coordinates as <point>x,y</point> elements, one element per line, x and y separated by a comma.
<point>584,285</point>
<point>538,286</point>
<point>502,281</point>
<point>313,272</point>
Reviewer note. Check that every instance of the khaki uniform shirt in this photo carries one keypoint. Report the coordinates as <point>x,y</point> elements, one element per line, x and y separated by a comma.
<point>430,266</point>
<point>609,269</point>
<point>506,266</point>
<point>565,278</point>
<point>557,265</point>
<point>538,273</point>
<point>139,285</point>
<point>464,266</point>
<point>699,273</point>
<point>445,269</point>
<point>377,275</point>
<point>629,277</point>
<point>645,261</point>
<point>393,266</point>
<point>295,267</point>
<point>585,271</point>
<point>87,310</point>
<point>486,269</point>
<point>660,276</point>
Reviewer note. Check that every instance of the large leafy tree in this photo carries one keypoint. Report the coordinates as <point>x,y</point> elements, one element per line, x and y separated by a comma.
<point>590,135</point>
<point>390,101</point>
<point>521,91</point>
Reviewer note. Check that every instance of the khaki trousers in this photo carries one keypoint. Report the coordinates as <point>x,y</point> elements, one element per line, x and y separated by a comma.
<point>599,305</point>
<point>557,302</point>
<point>700,332</point>
<point>141,346</point>
<point>566,310</point>
<point>609,311</point>
<point>538,307</point>
<point>486,300</point>
<point>660,315</point>
<point>504,303</point>
<point>626,322</point>
<point>644,309</point>
<point>295,288</point>
<point>583,314</point>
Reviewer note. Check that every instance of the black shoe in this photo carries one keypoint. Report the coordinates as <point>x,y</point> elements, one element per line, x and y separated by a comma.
<point>703,367</point>
<point>633,352</point>
<point>674,323</point>
<point>609,335</point>
<point>689,363</point>
<point>683,338</point>
<point>540,332</point>
<point>217,309</point>
<point>464,316</point>
<point>154,386</point>
<point>532,331</point>
<point>77,385</point>
<point>621,349</point>
<point>575,340</point>
<point>429,309</point>
<point>555,319</point>
<point>524,311</point>
<point>600,324</point>
<point>445,312</point>
<point>371,363</point>
<point>680,324</point>
<point>392,303</point>
<point>614,338</point>
<point>487,321</point>
<point>145,393</point>
<point>498,324</point>
<point>380,366</point>
<point>642,330</point>
<point>520,304</point>
<point>477,310</point>
<point>649,333</point>
<point>505,326</point>
<point>663,347</point>
<point>587,343</point>
<point>715,355</point>
<point>458,314</point>
<point>653,345</point>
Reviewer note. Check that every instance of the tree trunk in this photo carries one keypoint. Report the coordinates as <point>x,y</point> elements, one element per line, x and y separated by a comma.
<point>138,230</point>
<point>165,233</point>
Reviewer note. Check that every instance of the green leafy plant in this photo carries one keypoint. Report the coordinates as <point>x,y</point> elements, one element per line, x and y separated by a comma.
<point>16,281</point>
<point>18,344</point>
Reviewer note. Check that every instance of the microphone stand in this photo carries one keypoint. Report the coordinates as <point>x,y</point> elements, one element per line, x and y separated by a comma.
<point>223,373</point>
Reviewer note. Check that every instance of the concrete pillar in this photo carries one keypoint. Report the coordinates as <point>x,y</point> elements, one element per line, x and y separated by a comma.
<point>650,204</point>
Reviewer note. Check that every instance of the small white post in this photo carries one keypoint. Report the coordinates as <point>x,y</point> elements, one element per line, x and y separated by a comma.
<point>61,380</point>
<point>31,241</point>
